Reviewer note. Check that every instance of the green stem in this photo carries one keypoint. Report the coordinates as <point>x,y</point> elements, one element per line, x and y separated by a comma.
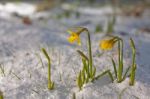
<point>90,50</point>
<point>133,69</point>
<point>49,72</point>
<point>132,76</point>
<point>120,58</point>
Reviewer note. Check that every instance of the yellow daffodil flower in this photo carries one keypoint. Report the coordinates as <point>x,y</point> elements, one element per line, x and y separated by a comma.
<point>74,37</point>
<point>107,44</point>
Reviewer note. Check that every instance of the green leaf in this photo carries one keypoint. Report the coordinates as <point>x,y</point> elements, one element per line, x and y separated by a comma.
<point>132,76</point>
<point>126,73</point>
<point>85,66</point>
<point>83,76</point>
<point>82,55</point>
<point>133,68</point>
<point>50,83</point>
<point>132,44</point>
<point>102,74</point>
<point>79,81</point>
<point>114,65</point>
<point>45,53</point>
<point>120,59</point>
<point>94,72</point>
<point>110,75</point>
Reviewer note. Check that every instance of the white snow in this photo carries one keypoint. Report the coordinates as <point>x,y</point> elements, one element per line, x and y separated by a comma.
<point>20,8</point>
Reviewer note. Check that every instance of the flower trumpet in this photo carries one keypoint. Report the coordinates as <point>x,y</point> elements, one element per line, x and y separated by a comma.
<point>107,44</point>
<point>88,71</point>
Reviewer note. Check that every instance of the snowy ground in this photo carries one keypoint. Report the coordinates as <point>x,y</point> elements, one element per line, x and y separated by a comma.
<point>26,78</point>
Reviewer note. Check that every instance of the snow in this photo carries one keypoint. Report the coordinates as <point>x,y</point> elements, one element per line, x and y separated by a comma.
<point>25,76</point>
<point>20,8</point>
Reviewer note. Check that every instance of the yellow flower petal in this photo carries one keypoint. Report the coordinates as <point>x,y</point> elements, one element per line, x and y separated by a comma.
<point>74,37</point>
<point>107,44</point>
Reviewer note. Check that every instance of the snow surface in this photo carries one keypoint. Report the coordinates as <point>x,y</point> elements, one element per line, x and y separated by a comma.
<point>26,77</point>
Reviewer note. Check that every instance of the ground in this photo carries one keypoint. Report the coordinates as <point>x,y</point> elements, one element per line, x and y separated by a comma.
<point>25,75</point>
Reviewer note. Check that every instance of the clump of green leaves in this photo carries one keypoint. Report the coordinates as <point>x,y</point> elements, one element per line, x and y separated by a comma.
<point>118,70</point>
<point>50,82</point>
<point>1,95</point>
<point>133,67</point>
<point>88,71</point>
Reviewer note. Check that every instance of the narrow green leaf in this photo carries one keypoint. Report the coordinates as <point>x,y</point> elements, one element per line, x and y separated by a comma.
<point>104,73</point>
<point>110,75</point>
<point>85,65</point>
<point>100,75</point>
<point>132,76</point>
<point>50,83</point>
<point>120,59</point>
<point>82,55</point>
<point>83,76</point>
<point>45,53</point>
<point>53,85</point>
<point>94,72</point>
<point>132,44</point>
<point>79,81</point>
<point>1,95</point>
<point>127,70</point>
<point>133,68</point>
<point>114,65</point>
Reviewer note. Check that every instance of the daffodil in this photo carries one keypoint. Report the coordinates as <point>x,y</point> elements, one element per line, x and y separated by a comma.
<point>107,44</point>
<point>88,71</point>
<point>74,37</point>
